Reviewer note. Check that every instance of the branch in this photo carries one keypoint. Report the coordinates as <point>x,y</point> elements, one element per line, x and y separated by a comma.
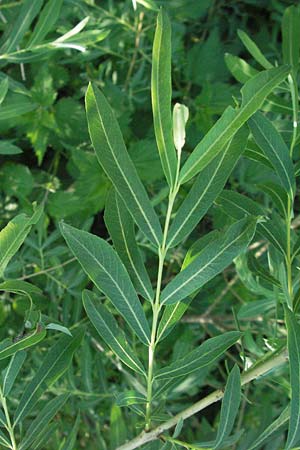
<point>259,369</point>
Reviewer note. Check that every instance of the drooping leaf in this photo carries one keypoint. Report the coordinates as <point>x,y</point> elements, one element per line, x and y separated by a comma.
<point>202,356</point>
<point>11,372</point>
<point>293,331</point>
<point>161,93</point>
<point>121,229</point>
<point>254,92</point>
<point>274,147</point>
<point>40,424</point>
<point>112,155</point>
<point>254,50</point>
<point>28,341</point>
<point>104,267</point>
<point>230,406</point>
<point>46,21</point>
<point>13,235</point>
<point>205,189</point>
<point>109,330</point>
<point>53,366</point>
<point>215,258</point>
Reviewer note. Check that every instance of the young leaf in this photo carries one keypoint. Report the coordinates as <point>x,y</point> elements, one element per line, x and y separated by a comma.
<point>180,118</point>
<point>121,229</point>
<point>104,267</point>
<point>28,341</point>
<point>171,315</point>
<point>239,68</point>
<point>254,92</point>
<point>14,234</point>
<point>291,36</point>
<point>205,189</point>
<point>52,368</point>
<point>274,147</point>
<point>293,330</point>
<point>11,372</point>
<point>230,406</point>
<point>161,93</point>
<point>13,36</point>
<point>47,19</point>
<point>109,331</point>
<point>215,258</point>
<point>254,50</point>
<point>112,155</point>
<point>202,356</point>
<point>40,424</point>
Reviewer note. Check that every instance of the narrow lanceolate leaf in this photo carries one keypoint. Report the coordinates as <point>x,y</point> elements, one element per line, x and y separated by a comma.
<point>230,406</point>
<point>202,356</point>
<point>70,442</point>
<point>4,440</point>
<point>274,147</point>
<point>40,424</point>
<point>277,194</point>
<point>291,36</point>
<point>46,21</point>
<point>28,341</point>
<point>104,267</point>
<point>215,257</point>
<point>161,93</point>
<point>275,426</point>
<point>11,372</point>
<point>171,315</point>
<point>206,188</point>
<point>14,35</point>
<point>293,330</point>
<point>3,88</point>
<point>121,229</point>
<point>254,50</point>
<point>111,152</point>
<point>13,235</point>
<point>109,331</point>
<point>52,368</point>
<point>254,92</point>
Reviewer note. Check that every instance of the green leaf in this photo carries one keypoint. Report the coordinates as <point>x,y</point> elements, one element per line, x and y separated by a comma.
<point>40,424</point>
<point>274,147</point>
<point>109,331</point>
<point>16,108</point>
<point>161,93</point>
<point>239,68</point>
<point>276,425</point>
<point>254,92</point>
<point>118,428</point>
<point>205,189</point>
<point>13,36</point>
<point>278,195</point>
<point>215,258</point>
<point>112,154</point>
<point>7,148</point>
<point>202,356</point>
<point>47,19</point>
<point>11,372</point>
<point>230,406</point>
<point>171,315</point>
<point>20,287</point>
<point>293,340</point>
<point>254,50</point>
<point>4,440</point>
<point>130,397</point>
<point>3,88</point>
<point>58,327</point>
<point>105,269</point>
<point>52,368</point>
<point>121,229</point>
<point>291,36</point>
<point>14,234</point>
<point>70,442</point>
<point>28,341</point>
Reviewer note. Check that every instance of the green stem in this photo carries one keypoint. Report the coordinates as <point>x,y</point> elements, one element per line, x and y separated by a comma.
<point>9,427</point>
<point>294,93</point>
<point>162,251</point>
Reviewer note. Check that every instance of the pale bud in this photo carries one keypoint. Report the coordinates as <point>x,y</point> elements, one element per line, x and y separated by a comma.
<point>180,118</point>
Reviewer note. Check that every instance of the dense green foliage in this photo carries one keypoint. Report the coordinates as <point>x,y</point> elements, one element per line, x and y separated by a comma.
<point>149,244</point>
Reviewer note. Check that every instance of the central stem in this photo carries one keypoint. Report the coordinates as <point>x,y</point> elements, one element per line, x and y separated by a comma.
<point>162,251</point>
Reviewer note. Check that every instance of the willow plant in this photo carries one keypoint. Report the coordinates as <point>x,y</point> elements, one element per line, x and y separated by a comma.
<point>119,271</point>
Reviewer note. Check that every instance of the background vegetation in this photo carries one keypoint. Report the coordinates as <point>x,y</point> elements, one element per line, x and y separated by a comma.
<point>46,158</point>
